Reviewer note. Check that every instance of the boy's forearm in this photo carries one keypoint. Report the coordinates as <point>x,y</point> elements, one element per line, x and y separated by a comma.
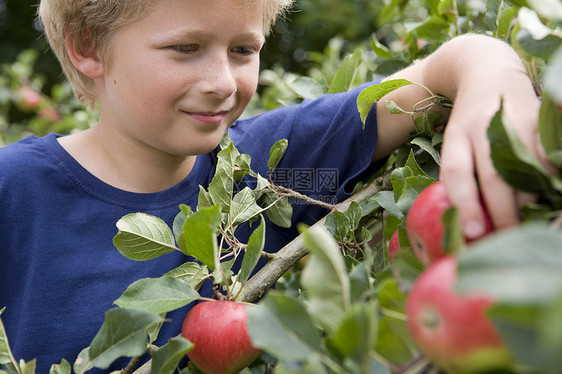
<point>471,63</point>
<point>466,65</point>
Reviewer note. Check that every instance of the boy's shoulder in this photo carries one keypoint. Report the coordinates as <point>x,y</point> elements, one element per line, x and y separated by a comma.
<point>28,144</point>
<point>24,156</point>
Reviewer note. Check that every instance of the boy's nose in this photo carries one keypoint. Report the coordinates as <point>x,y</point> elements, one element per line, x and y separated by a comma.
<point>219,78</point>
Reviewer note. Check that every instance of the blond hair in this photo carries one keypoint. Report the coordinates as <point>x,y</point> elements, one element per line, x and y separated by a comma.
<point>94,22</point>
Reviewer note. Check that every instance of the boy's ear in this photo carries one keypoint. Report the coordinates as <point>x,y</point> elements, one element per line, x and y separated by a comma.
<point>84,57</point>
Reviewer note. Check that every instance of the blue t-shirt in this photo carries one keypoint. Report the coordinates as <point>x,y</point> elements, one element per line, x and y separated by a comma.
<point>59,269</point>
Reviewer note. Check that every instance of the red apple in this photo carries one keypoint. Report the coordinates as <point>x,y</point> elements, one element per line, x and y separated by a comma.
<point>29,97</point>
<point>218,331</point>
<point>424,226</point>
<point>50,114</point>
<point>393,246</point>
<point>452,329</point>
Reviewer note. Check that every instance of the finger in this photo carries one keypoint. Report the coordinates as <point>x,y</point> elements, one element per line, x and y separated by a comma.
<point>524,198</point>
<point>499,198</point>
<point>457,174</point>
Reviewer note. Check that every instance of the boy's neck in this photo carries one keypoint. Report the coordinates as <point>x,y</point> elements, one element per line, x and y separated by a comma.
<point>123,167</point>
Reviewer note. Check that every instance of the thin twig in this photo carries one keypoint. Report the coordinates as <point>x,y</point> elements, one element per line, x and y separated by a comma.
<point>290,254</point>
<point>287,192</point>
<point>133,364</point>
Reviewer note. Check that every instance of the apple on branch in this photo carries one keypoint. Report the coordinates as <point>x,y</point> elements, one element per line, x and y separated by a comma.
<point>218,331</point>
<point>452,329</point>
<point>424,223</point>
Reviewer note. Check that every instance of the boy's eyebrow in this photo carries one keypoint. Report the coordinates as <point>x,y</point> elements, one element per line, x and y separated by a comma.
<point>179,35</point>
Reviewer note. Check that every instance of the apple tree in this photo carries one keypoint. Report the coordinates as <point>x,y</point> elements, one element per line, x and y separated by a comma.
<point>341,303</point>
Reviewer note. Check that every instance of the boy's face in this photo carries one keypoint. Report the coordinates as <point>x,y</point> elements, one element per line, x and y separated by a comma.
<point>177,78</point>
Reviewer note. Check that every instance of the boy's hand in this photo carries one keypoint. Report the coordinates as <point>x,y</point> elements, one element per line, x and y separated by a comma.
<point>495,74</point>
<point>477,73</point>
<point>466,151</point>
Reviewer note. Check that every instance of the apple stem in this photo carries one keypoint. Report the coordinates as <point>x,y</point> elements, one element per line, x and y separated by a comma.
<point>217,294</point>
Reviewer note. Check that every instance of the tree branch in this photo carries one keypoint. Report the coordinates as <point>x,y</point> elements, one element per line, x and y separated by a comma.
<point>287,256</point>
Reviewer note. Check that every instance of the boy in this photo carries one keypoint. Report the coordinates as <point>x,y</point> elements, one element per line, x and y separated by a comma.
<point>171,77</point>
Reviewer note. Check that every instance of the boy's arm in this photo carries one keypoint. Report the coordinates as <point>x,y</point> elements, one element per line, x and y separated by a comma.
<point>476,72</point>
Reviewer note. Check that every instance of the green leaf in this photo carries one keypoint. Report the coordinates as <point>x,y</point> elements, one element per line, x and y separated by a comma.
<point>242,166</point>
<point>243,207</point>
<point>261,185</point>
<point>281,212</point>
<point>192,272</point>
<point>453,238</point>
<point>534,37</point>
<point>82,363</point>
<point>360,281</point>
<point>200,235</point>
<point>414,166</point>
<point>6,358</point>
<point>520,328</point>
<point>412,186</point>
<point>393,341</point>
<point>157,295</point>
<point>356,334</point>
<point>204,199</point>
<point>255,246</point>
<point>380,50</point>
<point>166,359</point>
<point>434,28</point>
<point>276,152</point>
<point>123,333</point>
<point>374,93</point>
<point>393,108</point>
<point>519,266</point>
<point>28,367</point>
<point>406,265</point>
<point>550,325</point>
<point>62,368</point>
<point>505,21</point>
<point>282,327</point>
<point>427,146</point>
<point>386,200</point>
<point>222,185</point>
<point>553,77</point>
<point>345,75</point>
<point>445,7</point>
<point>512,160</point>
<point>549,9</point>
<point>325,279</point>
<point>142,237</point>
<point>337,224</point>
<point>354,213</point>
<point>307,87</point>
<point>550,129</point>
<point>179,220</point>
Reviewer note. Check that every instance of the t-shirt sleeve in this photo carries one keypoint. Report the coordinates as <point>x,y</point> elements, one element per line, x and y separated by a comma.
<point>328,148</point>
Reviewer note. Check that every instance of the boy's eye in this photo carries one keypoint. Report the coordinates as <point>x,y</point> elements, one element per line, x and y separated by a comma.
<point>243,50</point>
<point>186,48</point>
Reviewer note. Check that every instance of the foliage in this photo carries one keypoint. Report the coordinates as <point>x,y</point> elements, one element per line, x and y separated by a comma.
<point>341,308</point>
<point>26,110</point>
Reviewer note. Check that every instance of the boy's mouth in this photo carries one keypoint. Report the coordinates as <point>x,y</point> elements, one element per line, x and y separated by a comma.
<point>212,118</point>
